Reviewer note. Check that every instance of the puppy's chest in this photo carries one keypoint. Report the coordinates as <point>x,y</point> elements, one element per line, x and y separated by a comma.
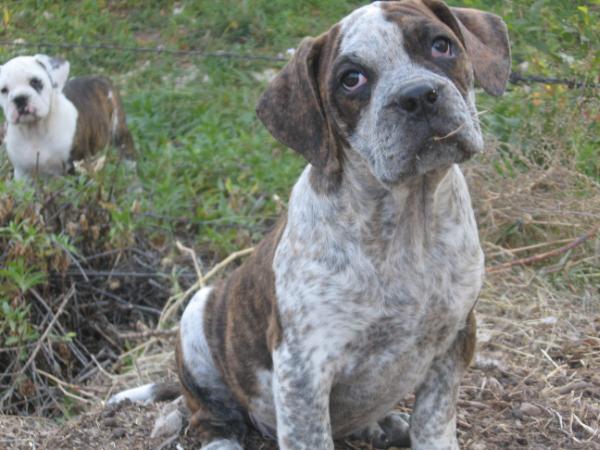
<point>393,314</point>
<point>48,150</point>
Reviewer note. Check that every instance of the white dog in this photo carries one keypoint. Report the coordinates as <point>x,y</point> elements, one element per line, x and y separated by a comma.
<point>52,122</point>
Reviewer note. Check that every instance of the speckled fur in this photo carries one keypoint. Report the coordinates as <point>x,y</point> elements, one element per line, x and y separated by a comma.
<point>365,293</point>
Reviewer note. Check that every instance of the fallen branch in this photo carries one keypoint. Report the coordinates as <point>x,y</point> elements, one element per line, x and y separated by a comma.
<point>541,256</point>
<point>143,335</point>
<point>518,78</point>
<point>63,383</point>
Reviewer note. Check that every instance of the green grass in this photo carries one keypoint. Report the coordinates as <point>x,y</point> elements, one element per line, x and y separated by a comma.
<point>207,160</point>
<point>209,172</point>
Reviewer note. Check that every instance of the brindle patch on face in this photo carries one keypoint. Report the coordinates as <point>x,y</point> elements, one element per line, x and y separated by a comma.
<point>347,106</point>
<point>420,26</point>
<point>99,106</point>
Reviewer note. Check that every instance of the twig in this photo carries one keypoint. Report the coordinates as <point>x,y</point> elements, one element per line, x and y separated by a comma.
<point>143,335</point>
<point>47,331</point>
<point>452,133</point>
<point>584,426</point>
<point>39,344</point>
<point>60,382</point>
<point>108,273</point>
<point>527,248</point>
<point>192,253</point>
<point>227,261</point>
<point>518,78</point>
<point>73,259</point>
<point>541,256</point>
<point>174,302</point>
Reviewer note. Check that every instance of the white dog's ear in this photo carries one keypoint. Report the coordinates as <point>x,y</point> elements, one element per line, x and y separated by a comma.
<point>57,68</point>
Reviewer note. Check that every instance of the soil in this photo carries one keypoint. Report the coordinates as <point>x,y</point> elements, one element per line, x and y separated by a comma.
<point>502,405</point>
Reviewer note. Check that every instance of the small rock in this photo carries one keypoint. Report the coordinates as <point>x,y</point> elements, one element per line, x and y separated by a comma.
<point>118,433</point>
<point>495,386</point>
<point>171,419</point>
<point>478,446</point>
<point>167,425</point>
<point>111,422</point>
<point>527,409</point>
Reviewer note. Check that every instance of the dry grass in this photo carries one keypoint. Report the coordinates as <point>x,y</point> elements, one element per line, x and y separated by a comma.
<point>535,382</point>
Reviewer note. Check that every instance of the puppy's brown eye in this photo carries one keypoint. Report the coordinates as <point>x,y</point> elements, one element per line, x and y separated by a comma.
<point>37,84</point>
<point>4,90</point>
<point>353,80</point>
<point>441,48</point>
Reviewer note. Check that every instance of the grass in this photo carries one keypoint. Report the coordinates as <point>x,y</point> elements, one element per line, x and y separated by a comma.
<point>210,175</point>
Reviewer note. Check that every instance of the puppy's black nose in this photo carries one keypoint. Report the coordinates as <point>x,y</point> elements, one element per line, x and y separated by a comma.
<point>419,98</point>
<point>21,101</point>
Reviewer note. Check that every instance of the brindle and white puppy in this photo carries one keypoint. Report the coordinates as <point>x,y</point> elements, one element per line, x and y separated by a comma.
<point>52,122</point>
<point>364,293</point>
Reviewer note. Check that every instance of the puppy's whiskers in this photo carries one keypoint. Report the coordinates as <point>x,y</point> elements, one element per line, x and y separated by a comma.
<point>477,120</point>
<point>452,133</point>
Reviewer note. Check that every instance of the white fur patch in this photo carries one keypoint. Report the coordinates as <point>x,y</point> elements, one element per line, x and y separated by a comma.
<point>195,350</point>
<point>222,444</point>
<point>141,394</point>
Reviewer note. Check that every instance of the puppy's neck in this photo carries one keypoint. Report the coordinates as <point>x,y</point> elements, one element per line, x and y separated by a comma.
<point>409,214</point>
<point>363,191</point>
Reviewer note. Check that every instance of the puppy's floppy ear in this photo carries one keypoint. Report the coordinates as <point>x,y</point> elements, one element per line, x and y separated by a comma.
<point>292,107</point>
<point>57,68</point>
<point>485,38</point>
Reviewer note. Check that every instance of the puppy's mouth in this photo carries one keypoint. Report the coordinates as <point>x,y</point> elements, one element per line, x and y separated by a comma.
<point>432,151</point>
<point>25,115</point>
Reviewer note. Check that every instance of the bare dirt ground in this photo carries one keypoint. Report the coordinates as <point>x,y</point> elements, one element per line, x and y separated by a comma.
<point>535,381</point>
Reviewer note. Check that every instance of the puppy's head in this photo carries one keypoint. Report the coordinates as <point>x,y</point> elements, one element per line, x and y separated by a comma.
<point>393,83</point>
<point>27,84</point>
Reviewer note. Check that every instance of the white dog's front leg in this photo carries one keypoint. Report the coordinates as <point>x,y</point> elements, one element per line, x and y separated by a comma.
<point>301,391</point>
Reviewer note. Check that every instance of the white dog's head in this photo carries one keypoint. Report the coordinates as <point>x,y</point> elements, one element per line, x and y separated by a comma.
<point>27,86</point>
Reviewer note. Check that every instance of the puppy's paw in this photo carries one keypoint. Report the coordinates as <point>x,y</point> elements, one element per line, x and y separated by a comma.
<point>391,431</point>
<point>373,435</point>
<point>396,429</point>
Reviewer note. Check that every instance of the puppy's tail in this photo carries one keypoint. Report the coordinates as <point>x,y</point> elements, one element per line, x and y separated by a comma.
<point>148,393</point>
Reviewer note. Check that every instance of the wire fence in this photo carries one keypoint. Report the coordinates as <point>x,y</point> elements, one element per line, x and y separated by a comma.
<point>516,78</point>
<point>153,50</point>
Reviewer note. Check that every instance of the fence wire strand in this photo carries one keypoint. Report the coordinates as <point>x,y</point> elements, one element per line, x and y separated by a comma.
<point>516,78</point>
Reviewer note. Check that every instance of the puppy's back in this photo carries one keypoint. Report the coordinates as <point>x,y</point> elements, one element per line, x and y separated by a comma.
<point>101,117</point>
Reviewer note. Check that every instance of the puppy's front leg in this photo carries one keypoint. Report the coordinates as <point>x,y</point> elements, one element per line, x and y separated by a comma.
<point>301,389</point>
<point>433,422</point>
